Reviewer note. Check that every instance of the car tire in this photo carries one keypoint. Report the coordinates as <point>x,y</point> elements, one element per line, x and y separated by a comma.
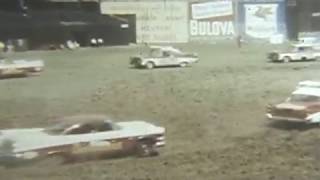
<point>286,59</point>
<point>183,64</point>
<point>149,65</point>
<point>62,158</point>
<point>146,150</point>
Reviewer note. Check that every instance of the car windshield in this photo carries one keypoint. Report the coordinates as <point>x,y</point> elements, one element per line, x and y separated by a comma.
<point>303,98</point>
<point>301,48</point>
<point>155,53</point>
<point>81,128</point>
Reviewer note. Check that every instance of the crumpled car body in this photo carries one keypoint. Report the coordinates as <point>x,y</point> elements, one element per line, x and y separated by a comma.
<point>160,56</point>
<point>20,67</point>
<point>302,106</point>
<point>90,138</point>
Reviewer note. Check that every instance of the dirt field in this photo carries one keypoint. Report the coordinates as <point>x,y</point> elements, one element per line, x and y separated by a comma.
<point>213,112</point>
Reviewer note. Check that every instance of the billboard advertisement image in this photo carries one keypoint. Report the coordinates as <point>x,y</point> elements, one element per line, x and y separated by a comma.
<point>211,19</point>
<point>261,20</point>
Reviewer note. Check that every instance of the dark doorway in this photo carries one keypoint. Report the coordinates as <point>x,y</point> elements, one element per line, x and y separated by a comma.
<point>82,37</point>
<point>292,19</point>
<point>130,32</point>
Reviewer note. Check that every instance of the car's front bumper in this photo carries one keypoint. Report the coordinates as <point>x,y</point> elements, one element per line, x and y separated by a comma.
<point>273,56</point>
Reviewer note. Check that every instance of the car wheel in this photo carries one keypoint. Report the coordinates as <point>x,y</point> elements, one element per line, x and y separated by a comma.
<point>150,65</point>
<point>136,66</point>
<point>286,59</point>
<point>61,158</point>
<point>183,64</point>
<point>146,150</point>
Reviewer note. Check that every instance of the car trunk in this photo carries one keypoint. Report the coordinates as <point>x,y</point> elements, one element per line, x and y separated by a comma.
<point>289,111</point>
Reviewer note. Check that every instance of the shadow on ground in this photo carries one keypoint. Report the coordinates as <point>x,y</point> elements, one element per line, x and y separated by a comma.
<point>287,126</point>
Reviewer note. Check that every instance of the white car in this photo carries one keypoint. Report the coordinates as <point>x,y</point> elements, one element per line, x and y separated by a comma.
<point>160,56</point>
<point>81,137</point>
<point>20,67</point>
<point>298,52</point>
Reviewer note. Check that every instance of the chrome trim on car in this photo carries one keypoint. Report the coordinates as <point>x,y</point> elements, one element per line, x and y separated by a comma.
<point>271,117</point>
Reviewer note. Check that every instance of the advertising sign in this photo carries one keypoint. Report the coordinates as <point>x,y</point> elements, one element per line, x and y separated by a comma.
<point>211,20</point>
<point>157,21</point>
<point>211,9</point>
<point>261,20</point>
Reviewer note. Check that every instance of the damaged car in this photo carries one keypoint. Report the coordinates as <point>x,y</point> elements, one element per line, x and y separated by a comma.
<point>81,138</point>
<point>302,106</point>
<point>20,67</point>
<point>297,52</point>
<point>161,56</point>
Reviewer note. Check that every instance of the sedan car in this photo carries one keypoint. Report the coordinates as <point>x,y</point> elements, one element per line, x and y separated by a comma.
<point>20,67</point>
<point>81,139</point>
<point>160,56</point>
<point>298,52</point>
<point>302,106</point>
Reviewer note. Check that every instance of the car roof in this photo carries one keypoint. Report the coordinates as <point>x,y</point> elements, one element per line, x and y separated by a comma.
<point>302,45</point>
<point>166,48</point>
<point>84,119</point>
<point>307,91</point>
<point>308,83</point>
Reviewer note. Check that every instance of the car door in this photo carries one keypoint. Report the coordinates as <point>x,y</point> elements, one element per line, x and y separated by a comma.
<point>166,59</point>
<point>297,56</point>
<point>304,53</point>
<point>88,141</point>
<point>312,53</point>
<point>97,147</point>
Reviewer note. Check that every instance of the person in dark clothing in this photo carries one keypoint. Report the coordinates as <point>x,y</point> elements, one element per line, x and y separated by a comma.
<point>239,41</point>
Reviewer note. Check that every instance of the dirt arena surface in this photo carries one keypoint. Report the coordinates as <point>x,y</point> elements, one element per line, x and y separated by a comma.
<point>213,112</point>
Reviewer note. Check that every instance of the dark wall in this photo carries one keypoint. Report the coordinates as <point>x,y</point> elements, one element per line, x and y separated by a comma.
<point>301,16</point>
<point>127,32</point>
<point>292,16</point>
<point>44,24</point>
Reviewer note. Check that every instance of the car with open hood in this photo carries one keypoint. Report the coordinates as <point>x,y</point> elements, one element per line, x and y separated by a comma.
<point>302,106</point>
<point>78,138</point>
<point>161,56</point>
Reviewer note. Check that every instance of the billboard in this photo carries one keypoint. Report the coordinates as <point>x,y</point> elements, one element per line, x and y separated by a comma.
<point>211,19</point>
<point>261,20</point>
<point>157,21</point>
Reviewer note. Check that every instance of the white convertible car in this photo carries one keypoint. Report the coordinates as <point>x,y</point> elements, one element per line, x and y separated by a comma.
<point>20,67</point>
<point>81,138</point>
<point>160,56</point>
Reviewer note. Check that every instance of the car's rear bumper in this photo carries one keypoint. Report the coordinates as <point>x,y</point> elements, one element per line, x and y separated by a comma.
<point>160,141</point>
<point>281,118</point>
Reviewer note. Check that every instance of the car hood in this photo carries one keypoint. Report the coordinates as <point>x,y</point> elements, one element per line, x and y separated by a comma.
<point>141,57</point>
<point>22,140</point>
<point>281,52</point>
